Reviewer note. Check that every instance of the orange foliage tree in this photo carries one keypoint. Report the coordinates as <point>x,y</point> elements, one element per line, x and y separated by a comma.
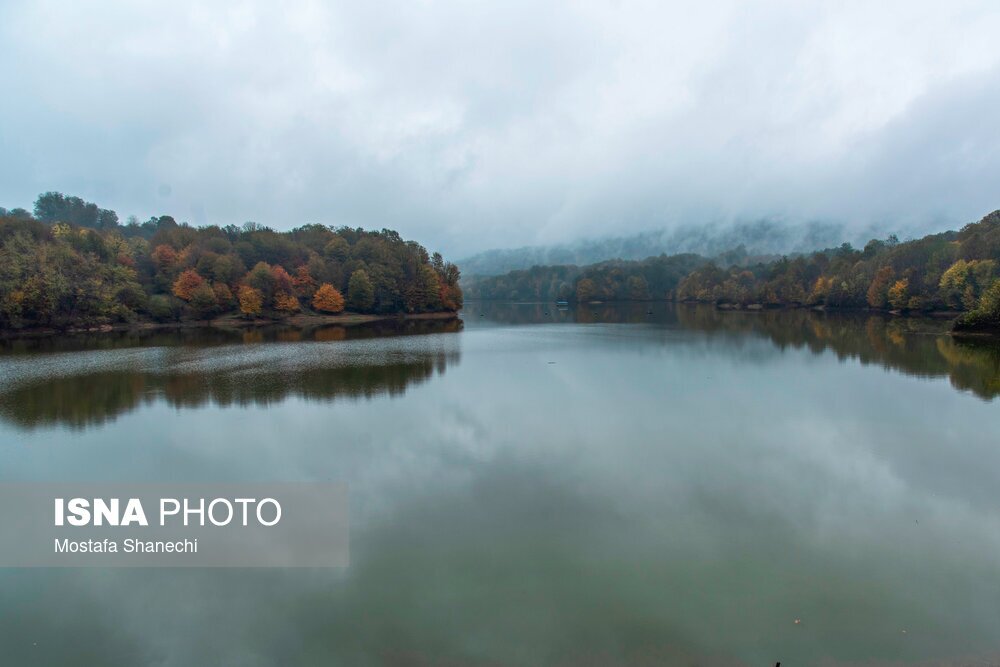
<point>878,291</point>
<point>286,302</point>
<point>164,256</point>
<point>186,284</point>
<point>328,299</point>
<point>450,296</point>
<point>251,301</point>
<point>282,280</point>
<point>304,283</point>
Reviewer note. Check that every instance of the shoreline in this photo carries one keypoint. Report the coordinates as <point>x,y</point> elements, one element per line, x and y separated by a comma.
<point>749,308</point>
<point>230,322</point>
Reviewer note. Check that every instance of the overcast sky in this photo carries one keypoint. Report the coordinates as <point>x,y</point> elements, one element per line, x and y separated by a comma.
<point>469,125</point>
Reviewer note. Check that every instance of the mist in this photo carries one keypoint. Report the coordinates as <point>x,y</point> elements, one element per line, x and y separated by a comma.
<point>470,126</point>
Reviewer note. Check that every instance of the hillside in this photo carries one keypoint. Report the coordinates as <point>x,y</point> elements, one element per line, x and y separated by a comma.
<point>72,264</point>
<point>761,237</point>
<point>955,271</point>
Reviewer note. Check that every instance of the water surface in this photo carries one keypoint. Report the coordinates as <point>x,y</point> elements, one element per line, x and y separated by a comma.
<point>538,487</point>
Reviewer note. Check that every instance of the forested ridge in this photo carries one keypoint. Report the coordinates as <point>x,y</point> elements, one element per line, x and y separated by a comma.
<point>616,280</point>
<point>72,264</point>
<point>759,237</point>
<point>955,270</point>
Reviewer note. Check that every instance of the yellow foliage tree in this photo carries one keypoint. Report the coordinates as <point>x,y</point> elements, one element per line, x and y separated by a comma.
<point>328,299</point>
<point>251,301</point>
<point>898,294</point>
<point>820,289</point>
<point>954,278</point>
<point>286,302</point>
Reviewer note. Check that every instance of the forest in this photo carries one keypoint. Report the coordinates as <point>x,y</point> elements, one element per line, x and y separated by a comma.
<point>71,264</point>
<point>655,278</point>
<point>951,271</point>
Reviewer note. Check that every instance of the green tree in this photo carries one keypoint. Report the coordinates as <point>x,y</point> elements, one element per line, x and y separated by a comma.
<point>203,301</point>
<point>360,293</point>
<point>989,302</point>
<point>430,289</point>
<point>261,278</point>
<point>638,288</point>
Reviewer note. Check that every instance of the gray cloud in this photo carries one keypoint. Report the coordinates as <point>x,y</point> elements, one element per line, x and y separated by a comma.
<point>472,125</point>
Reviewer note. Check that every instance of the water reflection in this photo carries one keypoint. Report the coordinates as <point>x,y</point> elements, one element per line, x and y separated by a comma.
<point>911,345</point>
<point>89,388</point>
<point>43,389</point>
<point>213,336</point>
<point>675,491</point>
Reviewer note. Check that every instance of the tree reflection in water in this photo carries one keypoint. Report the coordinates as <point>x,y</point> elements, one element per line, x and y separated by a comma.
<point>910,345</point>
<point>246,375</point>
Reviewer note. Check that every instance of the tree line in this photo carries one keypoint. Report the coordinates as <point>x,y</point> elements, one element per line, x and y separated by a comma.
<point>72,263</point>
<point>954,270</point>
<point>655,278</point>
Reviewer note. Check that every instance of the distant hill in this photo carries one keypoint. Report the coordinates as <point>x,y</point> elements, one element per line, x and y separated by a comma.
<point>761,237</point>
<point>948,271</point>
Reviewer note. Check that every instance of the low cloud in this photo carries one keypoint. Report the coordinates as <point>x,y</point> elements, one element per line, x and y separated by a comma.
<point>470,126</point>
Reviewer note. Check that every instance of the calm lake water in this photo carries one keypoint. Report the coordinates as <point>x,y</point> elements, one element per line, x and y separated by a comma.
<point>537,487</point>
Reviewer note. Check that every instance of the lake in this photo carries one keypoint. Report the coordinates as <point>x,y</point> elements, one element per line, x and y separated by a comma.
<point>534,486</point>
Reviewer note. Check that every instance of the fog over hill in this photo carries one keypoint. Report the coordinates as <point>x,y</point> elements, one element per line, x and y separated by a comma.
<point>760,237</point>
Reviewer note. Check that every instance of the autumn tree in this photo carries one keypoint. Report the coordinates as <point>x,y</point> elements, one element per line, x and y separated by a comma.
<point>360,293</point>
<point>186,284</point>
<point>898,294</point>
<point>954,284</point>
<point>251,302</point>
<point>283,282</point>
<point>450,293</point>
<point>303,281</point>
<point>821,288</point>
<point>878,291</point>
<point>586,290</point>
<point>328,299</point>
<point>74,263</point>
<point>223,295</point>
<point>285,302</point>
<point>164,257</point>
<point>451,297</point>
